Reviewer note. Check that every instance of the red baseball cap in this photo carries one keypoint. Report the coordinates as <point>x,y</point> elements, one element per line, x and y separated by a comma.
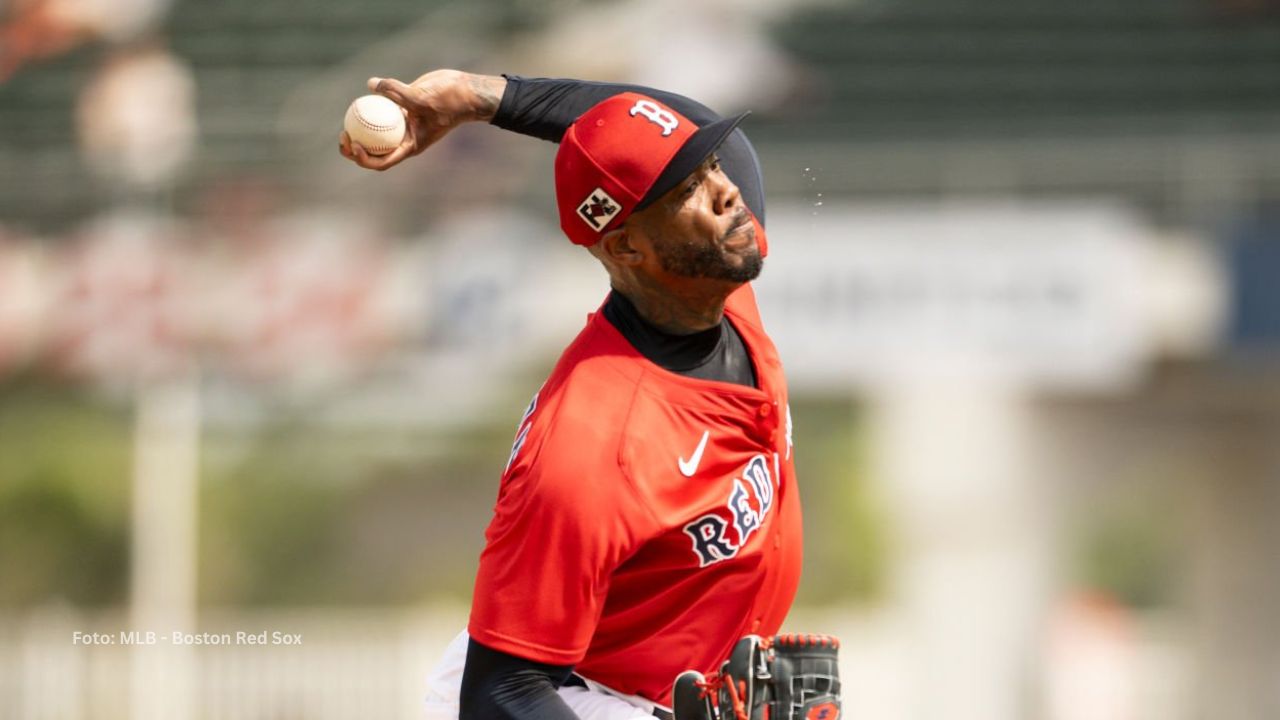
<point>621,155</point>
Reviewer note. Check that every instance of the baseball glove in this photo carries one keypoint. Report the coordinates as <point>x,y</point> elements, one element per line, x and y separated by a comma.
<point>785,677</point>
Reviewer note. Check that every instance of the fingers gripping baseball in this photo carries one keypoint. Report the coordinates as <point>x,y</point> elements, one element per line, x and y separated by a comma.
<point>432,105</point>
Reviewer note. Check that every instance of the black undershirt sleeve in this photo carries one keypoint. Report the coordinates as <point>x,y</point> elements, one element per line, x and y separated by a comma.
<point>500,686</point>
<point>545,107</point>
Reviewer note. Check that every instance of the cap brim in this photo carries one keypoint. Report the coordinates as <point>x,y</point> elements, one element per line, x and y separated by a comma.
<point>702,143</point>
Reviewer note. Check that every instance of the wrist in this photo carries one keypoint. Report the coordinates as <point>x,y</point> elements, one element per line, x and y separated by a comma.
<point>484,95</point>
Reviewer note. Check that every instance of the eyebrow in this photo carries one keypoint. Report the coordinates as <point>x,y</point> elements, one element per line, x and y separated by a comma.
<point>678,190</point>
<point>704,166</point>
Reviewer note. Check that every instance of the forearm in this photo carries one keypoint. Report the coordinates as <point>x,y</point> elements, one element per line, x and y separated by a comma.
<point>499,686</point>
<point>546,107</point>
<point>461,96</point>
<point>486,94</point>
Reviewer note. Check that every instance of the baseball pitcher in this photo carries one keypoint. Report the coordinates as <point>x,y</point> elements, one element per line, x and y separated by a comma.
<point>648,520</point>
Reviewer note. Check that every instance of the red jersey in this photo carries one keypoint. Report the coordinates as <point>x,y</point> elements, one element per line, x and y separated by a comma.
<point>646,520</point>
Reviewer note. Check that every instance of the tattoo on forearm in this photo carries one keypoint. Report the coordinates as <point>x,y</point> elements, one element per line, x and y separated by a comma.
<point>487,96</point>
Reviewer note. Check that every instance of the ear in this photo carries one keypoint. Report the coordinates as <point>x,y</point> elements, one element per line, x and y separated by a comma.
<point>623,247</point>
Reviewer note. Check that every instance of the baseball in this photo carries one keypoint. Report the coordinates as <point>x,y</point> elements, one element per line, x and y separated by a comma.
<point>376,123</point>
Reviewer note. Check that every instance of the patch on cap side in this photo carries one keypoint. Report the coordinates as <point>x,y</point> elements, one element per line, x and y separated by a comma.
<point>598,209</point>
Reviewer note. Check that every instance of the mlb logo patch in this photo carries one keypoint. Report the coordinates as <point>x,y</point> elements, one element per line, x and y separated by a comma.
<point>598,209</point>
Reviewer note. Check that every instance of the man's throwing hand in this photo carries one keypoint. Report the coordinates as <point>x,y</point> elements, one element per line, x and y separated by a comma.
<point>434,104</point>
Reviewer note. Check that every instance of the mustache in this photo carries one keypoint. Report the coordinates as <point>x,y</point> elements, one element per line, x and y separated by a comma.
<point>741,218</point>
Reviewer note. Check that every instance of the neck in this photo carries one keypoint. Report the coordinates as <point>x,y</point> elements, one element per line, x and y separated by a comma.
<point>683,310</point>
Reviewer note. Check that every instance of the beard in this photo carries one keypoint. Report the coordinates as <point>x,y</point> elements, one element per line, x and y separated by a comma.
<point>710,262</point>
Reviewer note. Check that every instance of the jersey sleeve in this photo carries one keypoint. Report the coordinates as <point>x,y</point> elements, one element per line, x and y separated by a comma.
<point>563,522</point>
<point>546,107</point>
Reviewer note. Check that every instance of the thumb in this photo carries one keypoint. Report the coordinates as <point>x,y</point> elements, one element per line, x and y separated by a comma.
<point>397,91</point>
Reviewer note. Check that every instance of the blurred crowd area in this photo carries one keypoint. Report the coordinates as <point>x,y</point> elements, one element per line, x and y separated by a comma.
<point>1023,276</point>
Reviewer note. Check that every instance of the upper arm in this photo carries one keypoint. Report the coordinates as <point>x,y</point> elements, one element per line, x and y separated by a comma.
<point>559,530</point>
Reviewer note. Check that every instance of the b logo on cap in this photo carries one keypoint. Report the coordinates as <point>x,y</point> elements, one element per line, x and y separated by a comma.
<point>656,115</point>
<point>598,209</point>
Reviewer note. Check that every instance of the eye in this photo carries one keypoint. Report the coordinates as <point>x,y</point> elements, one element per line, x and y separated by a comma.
<point>688,189</point>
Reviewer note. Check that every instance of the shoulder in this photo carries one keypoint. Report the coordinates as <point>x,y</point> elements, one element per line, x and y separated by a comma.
<point>593,380</point>
<point>566,466</point>
<point>574,424</point>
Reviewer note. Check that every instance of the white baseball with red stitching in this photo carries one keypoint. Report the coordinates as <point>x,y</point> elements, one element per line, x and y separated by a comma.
<point>376,123</point>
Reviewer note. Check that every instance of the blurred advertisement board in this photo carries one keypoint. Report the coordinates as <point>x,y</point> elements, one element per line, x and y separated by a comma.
<point>1254,265</point>
<point>1048,295</point>
<point>311,300</point>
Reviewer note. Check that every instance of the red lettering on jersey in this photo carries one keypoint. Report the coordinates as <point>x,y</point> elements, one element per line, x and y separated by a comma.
<point>709,541</point>
<point>746,519</point>
<point>749,502</point>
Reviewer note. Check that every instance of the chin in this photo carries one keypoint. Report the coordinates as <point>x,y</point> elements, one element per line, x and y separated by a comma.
<point>734,260</point>
<point>748,265</point>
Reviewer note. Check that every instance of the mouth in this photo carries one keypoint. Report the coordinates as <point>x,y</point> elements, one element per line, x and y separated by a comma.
<point>743,223</point>
<point>741,235</point>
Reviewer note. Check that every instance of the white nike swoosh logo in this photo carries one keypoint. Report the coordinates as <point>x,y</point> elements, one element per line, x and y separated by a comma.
<point>690,466</point>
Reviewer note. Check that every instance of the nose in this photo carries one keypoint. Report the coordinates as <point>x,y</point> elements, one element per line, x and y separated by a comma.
<point>727,196</point>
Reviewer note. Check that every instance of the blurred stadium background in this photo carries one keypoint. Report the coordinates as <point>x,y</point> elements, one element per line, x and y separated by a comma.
<point>1024,276</point>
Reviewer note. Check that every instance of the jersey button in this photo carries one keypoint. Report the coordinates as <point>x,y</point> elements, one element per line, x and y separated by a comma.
<point>755,625</point>
<point>765,410</point>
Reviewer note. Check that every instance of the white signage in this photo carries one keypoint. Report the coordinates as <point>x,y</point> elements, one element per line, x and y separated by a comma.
<point>1041,294</point>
